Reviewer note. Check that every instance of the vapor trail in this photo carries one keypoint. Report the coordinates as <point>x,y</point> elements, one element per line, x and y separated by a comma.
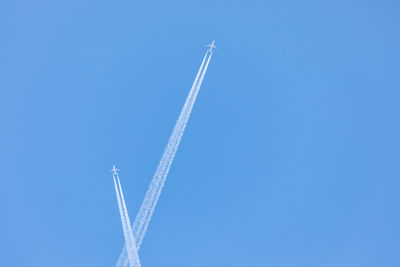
<point>126,227</point>
<point>123,220</point>
<point>154,191</point>
<point>133,249</point>
<point>143,216</point>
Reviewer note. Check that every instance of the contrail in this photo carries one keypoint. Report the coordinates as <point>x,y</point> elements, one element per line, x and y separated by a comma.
<point>123,220</point>
<point>126,227</point>
<point>140,226</point>
<point>154,191</point>
<point>162,175</point>
<point>143,218</point>
<point>132,249</point>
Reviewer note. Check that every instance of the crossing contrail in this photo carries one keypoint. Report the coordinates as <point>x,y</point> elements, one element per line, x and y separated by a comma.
<point>153,193</point>
<point>126,225</point>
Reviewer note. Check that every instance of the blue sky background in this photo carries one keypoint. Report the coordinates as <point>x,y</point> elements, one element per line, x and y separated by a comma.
<point>291,156</point>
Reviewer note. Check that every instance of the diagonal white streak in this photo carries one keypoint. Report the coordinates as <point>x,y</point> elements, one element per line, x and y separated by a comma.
<point>139,224</point>
<point>126,227</point>
<point>154,191</point>
<point>133,249</point>
<point>123,220</point>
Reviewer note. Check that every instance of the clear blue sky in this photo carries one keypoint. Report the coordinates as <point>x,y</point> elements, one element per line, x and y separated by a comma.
<point>291,156</point>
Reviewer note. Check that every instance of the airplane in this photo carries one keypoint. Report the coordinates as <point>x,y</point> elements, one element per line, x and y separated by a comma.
<point>114,170</point>
<point>211,46</point>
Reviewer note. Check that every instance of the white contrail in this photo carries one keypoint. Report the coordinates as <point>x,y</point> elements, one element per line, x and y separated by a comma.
<point>153,193</point>
<point>132,249</point>
<point>123,220</point>
<point>140,221</point>
<point>159,183</point>
<point>128,234</point>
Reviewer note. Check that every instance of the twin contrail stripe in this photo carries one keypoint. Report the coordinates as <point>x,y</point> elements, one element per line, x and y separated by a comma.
<point>132,253</point>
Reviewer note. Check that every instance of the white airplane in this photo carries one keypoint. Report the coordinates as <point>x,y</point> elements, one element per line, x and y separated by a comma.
<point>114,170</point>
<point>211,46</point>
